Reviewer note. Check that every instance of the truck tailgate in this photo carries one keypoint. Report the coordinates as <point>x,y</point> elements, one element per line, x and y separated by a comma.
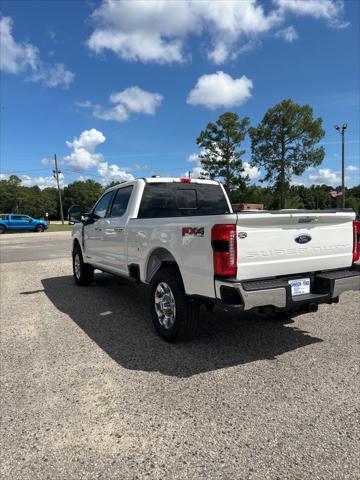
<point>292,242</point>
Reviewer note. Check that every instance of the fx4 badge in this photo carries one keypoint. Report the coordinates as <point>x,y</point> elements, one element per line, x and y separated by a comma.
<point>193,231</point>
<point>302,239</point>
<point>242,235</point>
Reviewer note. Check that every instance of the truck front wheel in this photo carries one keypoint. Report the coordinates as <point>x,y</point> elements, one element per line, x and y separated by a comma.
<point>175,317</point>
<point>83,272</point>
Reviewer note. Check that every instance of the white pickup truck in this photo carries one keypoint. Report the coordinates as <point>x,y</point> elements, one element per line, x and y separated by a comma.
<point>182,237</point>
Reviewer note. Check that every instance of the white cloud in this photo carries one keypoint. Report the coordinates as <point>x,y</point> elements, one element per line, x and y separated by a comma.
<point>137,100</point>
<point>15,57</point>
<point>48,161</point>
<point>41,182</point>
<point>289,34</point>
<point>325,176</point>
<point>251,172</point>
<point>220,90</point>
<point>118,113</point>
<point>83,154</point>
<point>297,181</point>
<point>111,173</point>
<point>196,171</point>
<point>231,24</point>
<point>53,75</point>
<point>84,104</point>
<point>330,10</point>
<point>131,100</point>
<point>193,157</point>
<point>157,30</point>
<point>352,168</point>
<point>19,57</point>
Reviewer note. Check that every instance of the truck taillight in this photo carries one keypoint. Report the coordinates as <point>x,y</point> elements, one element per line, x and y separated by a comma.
<point>223,239</point>
<point>356,247</point>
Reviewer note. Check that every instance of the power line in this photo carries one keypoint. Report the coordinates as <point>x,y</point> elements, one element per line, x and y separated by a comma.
<point>10,172</point>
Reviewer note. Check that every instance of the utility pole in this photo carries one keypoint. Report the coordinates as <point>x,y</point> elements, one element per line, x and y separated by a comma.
<point>56,173</point>
<point>342,131</point>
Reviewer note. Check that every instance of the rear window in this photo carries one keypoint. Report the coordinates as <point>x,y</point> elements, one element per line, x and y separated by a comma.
<point>161,200</point>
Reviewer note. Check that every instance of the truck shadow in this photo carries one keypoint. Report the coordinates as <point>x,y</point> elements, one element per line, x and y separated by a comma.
<point>114,313</point>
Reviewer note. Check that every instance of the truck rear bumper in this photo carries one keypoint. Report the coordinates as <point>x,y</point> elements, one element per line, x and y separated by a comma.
<point>276,292</point>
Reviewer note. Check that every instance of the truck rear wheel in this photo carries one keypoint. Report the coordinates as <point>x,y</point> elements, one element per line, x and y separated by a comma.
<point>175,317</point>
<point>83,272</point>
<point>2,229</point>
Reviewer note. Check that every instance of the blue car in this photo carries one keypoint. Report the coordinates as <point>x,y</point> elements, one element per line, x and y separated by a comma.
<point>10,222</point>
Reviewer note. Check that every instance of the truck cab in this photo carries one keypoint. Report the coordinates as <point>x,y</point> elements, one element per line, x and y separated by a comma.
<point>182,237</point>
<point>10,222</point>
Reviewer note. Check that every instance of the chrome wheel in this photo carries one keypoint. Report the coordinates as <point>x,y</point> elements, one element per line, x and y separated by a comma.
<point>77,265</point>
<point>165,305</point>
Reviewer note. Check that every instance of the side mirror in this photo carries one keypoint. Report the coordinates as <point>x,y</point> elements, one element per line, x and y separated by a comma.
<point>31,219</point>
<point>74,214</point>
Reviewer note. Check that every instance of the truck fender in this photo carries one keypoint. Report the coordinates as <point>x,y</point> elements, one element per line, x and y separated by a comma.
<point>158,257</point>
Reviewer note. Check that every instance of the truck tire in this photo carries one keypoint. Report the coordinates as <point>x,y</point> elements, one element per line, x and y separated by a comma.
<point>175,317</point>
<point>83,272</point>
<point>2,229</point>
<point>39,228</point>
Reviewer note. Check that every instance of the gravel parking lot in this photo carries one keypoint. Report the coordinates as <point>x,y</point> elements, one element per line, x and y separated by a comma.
<point>89,391</point>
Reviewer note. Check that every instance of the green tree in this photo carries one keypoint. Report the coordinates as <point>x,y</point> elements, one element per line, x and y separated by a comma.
<point>284,144</point>
<point>49,199</point>
<point>9,193</point>
<point>82,193</point>
<point>221,156</point>
<point>111,184</point>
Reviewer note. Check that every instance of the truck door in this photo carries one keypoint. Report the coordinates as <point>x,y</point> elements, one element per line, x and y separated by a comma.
<point>21,222</point>
<point>114,231</point>
<point>93,231</point>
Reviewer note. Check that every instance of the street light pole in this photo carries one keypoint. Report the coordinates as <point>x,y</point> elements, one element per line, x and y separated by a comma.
<point>342,131</point>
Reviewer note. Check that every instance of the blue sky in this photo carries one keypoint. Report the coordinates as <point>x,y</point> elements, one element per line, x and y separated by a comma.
<point>120,89</point>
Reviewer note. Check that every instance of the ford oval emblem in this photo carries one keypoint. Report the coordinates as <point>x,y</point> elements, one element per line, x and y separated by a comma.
<point>302,239</point>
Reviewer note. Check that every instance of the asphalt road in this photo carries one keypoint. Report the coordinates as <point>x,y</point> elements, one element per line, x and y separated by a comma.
<point>34,246</point>
<point>89,391</point>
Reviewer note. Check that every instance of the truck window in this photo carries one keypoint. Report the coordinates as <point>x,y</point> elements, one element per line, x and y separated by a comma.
<point>19,217</point>
<point>121,201</point>
<point>186,199</point>
<point>102,205</point>
<point>161,200</point>
<point>4,217</point>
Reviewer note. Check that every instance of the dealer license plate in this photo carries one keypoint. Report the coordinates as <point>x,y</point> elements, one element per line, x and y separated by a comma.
<point>300,286</point>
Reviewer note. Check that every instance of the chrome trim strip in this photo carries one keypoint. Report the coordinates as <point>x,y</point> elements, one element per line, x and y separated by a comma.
<point>277,296</point>
<point>344,284</point>
<point>256,298</point>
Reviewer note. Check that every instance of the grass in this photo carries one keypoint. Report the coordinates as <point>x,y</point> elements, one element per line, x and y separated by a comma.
<point>54,227</point>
